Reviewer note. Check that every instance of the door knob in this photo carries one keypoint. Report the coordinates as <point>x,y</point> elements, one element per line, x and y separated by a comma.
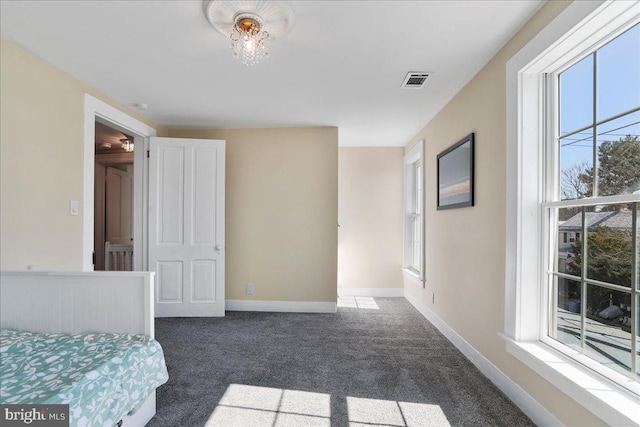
<point>218,248</point>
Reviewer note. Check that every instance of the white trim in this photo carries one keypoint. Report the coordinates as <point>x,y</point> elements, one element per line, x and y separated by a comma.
<point>413,277</point>
<point>604,399</point>
<point>590,201</point>
<point>281,306</point>
<point>523,160</point>
<point>95,109</point>
<point>527,404</point>
<point>371,292</point>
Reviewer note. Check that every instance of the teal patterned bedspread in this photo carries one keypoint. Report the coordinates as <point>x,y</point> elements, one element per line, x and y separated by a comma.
<point>102,377</point>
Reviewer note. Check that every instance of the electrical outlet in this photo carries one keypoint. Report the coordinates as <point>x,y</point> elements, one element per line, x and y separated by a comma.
<point>433,297</point>
<point>250,289</point>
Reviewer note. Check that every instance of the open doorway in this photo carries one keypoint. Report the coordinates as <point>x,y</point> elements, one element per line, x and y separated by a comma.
<point>113,199</point>
<point>96,110</point>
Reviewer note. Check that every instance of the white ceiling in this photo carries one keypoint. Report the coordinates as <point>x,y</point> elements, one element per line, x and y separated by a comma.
<point>341,65</point>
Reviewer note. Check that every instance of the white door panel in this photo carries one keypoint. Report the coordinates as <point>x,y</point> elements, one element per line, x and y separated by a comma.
<point>186,225</point>
<point>119,204</point>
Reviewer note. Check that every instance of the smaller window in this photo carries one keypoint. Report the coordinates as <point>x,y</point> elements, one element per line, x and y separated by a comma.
<point>413,208</point>
<point>416,217</point>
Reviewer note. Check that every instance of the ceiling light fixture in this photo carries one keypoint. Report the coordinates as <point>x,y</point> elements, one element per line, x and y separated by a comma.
<point>250,25</point>
<point>127,145</point>
<point>249,40</point>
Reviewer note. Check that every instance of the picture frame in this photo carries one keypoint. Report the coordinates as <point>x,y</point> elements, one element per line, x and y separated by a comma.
<point>456,175</point>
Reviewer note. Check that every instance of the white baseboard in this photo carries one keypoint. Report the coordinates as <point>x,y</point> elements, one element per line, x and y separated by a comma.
<point>371,292</point>
<point>281,306</point>
<point>527,404</point>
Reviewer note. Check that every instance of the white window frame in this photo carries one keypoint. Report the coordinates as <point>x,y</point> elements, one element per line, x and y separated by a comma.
<point>413,199</point>
<point>582,26</point>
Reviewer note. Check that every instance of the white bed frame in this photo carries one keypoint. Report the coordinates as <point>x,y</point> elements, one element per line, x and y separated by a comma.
<point>69,303</point>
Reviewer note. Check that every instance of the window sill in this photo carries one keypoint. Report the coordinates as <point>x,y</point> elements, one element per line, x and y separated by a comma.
<point>412,276</point>
<point>606,400</point>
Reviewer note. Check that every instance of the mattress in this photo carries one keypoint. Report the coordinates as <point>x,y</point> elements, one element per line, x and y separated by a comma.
<point>102,377</point>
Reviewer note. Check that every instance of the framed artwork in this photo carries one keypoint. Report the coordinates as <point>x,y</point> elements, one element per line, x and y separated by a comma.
<point>455,175</point>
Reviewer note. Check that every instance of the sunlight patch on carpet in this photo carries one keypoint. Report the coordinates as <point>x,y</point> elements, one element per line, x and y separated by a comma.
<point>266,406</point>
<point>365,303</point>
<point>375,412</point>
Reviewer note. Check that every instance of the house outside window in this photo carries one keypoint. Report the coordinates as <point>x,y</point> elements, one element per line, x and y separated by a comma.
<point>413,262</point>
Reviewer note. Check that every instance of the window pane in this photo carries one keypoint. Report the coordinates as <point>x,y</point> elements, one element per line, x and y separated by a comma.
<point>576,163</point>
<point>576,96</point>
<point>638,336</point>
<point>637,260</point>
<point>418,186</point>
<point>618,156</point>
<point>609,244</point>
<point>569,232</point>
<point>565,318</point>
<point>416,238</point>
<point>608,334</point>
<point>618,76</point>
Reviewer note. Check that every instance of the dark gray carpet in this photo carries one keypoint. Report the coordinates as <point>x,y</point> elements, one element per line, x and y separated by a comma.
<point>366,367</point>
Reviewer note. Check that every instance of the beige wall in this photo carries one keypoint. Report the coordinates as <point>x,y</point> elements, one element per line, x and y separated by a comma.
<point>465,261</point>
<point>41,131</point>
<point>281,188</point>
<point>370,217</point>
<point>281,212</point>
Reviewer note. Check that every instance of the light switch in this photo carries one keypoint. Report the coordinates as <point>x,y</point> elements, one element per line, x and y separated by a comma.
<point>73,207</point>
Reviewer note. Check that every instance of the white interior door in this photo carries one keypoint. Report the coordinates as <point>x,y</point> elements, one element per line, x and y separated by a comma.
<point>99,215</point>
<point>186,226</point>
<point>119,204</point>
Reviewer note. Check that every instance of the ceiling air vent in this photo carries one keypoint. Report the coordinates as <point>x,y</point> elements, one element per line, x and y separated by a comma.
<point>414,80</point>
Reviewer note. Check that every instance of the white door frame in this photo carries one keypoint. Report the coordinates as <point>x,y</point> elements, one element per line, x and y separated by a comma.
<point>97,110</point>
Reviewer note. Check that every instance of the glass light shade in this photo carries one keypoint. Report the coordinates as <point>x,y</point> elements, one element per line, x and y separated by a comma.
<point>248,41</point>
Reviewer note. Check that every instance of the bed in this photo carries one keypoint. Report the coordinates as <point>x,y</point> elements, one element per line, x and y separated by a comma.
<point>84,339</point>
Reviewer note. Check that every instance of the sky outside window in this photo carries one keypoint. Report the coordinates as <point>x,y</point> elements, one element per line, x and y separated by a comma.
<point>616,81</point>
<point>576,96</point>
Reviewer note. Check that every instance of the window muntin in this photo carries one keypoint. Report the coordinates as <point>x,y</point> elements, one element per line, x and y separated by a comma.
<point>593,281</point>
